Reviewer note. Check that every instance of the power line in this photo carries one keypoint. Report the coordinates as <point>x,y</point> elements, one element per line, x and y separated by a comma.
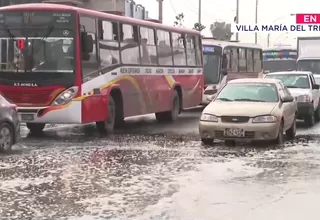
<point>174,10</point>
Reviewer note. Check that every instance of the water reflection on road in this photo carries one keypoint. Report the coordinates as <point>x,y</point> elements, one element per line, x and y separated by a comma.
<point>148,171</point>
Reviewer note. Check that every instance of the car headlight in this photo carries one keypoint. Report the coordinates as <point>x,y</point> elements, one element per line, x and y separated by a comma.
<point>304,98</point>
<point>208,117</point>
<point>66,96</point>
<point>265,119</point>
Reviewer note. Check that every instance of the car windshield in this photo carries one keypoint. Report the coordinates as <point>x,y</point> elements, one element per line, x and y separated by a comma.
<point>292,80</point>
<point>249,92</point>
<point>36,41</point>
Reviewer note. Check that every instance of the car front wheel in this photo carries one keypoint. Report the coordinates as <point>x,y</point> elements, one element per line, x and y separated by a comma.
<point>6,137</point>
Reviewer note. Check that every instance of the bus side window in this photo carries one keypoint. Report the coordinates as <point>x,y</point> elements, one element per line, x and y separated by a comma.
<point>224,63</point>
<point>148,46</point>
<point>257,62</point>
<point>234,59</point>
<point>198,47</point>
<point>129,44</point>
<point>242,60</point>
<point>178,46</point>
<point>90,61</point>
<point>164,48</point>
<point>250,60</point>
<point>191,51</point>
<point>108,44</point>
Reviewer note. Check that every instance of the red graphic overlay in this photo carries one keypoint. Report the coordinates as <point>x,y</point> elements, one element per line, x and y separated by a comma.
<point>307,18</point>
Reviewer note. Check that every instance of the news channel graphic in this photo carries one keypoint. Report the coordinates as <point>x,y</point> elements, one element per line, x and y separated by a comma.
<point>304,23</point>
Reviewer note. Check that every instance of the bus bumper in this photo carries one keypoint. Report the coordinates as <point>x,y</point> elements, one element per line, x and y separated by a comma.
<point>65,114</point>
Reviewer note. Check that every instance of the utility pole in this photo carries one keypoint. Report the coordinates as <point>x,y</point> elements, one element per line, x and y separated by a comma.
<point>160,10</point>
<point>256,20</point>
<point>199,12</point>
<point>237,19</point>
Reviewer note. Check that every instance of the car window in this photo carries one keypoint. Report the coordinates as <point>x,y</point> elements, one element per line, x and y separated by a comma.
<point>293,80</point>
<point>284,89</point>
<point>260,92</point>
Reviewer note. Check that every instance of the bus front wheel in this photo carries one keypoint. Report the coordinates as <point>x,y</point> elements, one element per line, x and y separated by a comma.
<point>36,128</point>
<point>107,125</point>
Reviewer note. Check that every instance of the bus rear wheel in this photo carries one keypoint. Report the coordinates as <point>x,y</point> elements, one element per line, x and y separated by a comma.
<point>108,125</point>
<point>173,114</point>
<point>36,128</point>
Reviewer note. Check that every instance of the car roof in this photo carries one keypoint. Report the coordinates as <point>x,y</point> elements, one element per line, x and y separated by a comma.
<point>290,72</point>
<point>254,80</point>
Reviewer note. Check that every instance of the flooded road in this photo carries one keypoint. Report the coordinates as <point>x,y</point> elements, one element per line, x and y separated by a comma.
<point>153,171</point>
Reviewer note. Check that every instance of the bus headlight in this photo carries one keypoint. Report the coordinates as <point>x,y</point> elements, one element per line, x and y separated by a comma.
<point>65,96</point>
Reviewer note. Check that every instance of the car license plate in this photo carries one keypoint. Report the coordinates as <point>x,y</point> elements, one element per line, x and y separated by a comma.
<point>234,132</point>
<point>26,117</point>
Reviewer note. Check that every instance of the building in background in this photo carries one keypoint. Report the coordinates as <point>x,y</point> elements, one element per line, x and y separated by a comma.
<point>124,7</point>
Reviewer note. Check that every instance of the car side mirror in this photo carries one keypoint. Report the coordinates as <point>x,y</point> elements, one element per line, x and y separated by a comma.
<point>266,71</point>
<point>288,98</point>
<point>315,86</point>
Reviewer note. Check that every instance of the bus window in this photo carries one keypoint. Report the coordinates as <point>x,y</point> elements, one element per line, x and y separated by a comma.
<point>198,47</point>
<point>242,60</point>
<point>224,62</point>
<point>178,46</point>
<point>90,62</point>
<point>109,46</point>
<point>234,60</point>
<point>249,61</point>
<point>257,66</point>
<point>191,51</point>
<point>148,47</point>
<point>164,48</point>
<point>129,44</point>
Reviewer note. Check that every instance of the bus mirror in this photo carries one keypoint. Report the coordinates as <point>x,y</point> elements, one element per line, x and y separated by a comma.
<point>224,72</point>
<point>86,43</point>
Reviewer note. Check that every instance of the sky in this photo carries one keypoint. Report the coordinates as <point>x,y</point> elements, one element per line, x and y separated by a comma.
<point>269,12</point>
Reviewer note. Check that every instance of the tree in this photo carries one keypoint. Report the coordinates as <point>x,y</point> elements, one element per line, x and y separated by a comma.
<point>198,26</point>
<point>221,31</point>
<point>179,20</point>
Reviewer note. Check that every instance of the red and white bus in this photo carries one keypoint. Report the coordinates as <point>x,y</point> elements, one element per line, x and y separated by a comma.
<point>224,61</point>
<point>65,65</point>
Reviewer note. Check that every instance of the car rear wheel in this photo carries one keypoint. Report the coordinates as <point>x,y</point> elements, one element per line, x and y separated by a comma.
<point>36,128</point>
<point>207,141</point>
<point>309,119</point>
<point>291,133</point>
<point>6,137</point>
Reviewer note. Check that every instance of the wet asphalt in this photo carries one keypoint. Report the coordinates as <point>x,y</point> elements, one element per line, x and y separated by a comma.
<point>158,171</point>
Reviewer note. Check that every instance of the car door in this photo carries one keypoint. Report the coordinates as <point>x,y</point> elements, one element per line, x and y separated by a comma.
<point>315,92</point>
<point>289,108</point>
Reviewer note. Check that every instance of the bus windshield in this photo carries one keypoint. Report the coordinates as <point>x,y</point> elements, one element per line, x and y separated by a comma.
<point>279,60</point>
<point>211,61</point>
<point>36,41</point>
<point>279,65</point>
<point>309,65</point>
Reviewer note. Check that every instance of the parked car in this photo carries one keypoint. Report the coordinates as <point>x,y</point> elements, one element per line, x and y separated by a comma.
<point>249,109</point>
<point>9,125</point>
<point>302,85</point>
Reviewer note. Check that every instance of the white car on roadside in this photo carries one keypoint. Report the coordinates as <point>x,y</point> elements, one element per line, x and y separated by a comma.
<point>302,85</point>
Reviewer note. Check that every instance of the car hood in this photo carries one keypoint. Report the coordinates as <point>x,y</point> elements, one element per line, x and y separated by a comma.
<point>250,109</point>
<point>295,92</point>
